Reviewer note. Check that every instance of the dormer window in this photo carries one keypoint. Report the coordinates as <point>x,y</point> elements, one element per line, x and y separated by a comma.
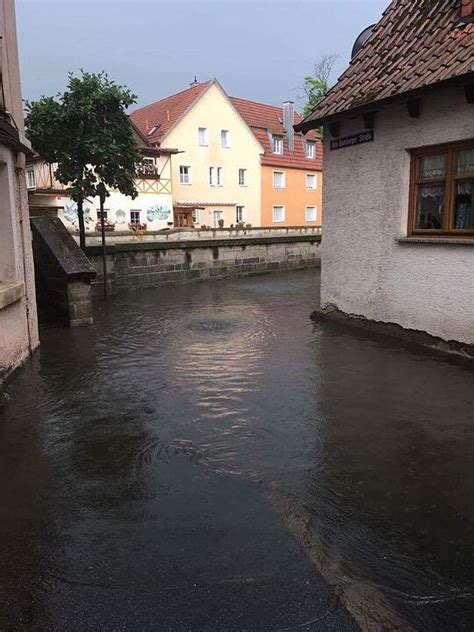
<point>310,149</point>
<point>277,144</point>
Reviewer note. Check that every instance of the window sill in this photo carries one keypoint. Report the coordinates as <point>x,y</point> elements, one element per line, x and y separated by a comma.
<point>10,293</point>
<point>444,241</point>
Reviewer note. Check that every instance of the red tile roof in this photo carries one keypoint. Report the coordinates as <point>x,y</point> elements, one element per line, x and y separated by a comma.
<point>416,44</point>
<point>163,114</point>
<point>261,118</point>
<point>265,120</point>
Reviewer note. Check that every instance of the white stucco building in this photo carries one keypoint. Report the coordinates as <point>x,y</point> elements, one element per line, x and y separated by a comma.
<point>18,320</point>
<point>152,208</point>
<point>398,240</point>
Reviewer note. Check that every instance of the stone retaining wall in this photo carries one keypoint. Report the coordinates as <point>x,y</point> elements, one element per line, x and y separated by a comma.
<point>143,265</point>
<point>186,234</point>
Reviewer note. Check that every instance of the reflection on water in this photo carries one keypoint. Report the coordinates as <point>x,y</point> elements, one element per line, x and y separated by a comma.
<point>147,437</point>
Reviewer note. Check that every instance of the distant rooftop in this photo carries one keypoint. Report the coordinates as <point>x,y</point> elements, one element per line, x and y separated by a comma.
<point>155,120</point>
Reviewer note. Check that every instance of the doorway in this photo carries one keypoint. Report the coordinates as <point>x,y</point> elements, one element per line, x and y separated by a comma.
<point>217,215</point>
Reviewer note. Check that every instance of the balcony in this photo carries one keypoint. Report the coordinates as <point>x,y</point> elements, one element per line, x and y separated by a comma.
<point>148,171</point>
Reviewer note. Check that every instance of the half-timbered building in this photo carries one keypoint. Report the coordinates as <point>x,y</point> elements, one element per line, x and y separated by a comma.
<point>151,209</point>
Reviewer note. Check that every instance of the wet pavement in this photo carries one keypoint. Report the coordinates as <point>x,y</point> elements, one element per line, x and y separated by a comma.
<point>205,458</point>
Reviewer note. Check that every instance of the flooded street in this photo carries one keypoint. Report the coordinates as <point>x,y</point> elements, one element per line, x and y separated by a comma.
<point>207,458</point>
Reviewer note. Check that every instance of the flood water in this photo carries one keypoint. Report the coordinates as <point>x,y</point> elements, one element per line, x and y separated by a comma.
<point>207,458</point>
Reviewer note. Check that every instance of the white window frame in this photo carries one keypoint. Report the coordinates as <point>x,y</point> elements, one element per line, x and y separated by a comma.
<point>220,176</point>
<point>188,175</point>
<point>311,175</point>
<point>135,210</point>
<point>279,221</point>
<point>311,207</point>
<point>283,186</point>
<point>243,218</point>
<point>310,149</point>
<point>225,134</point>
<point>30,178</point>
<point>243,180</point>
<point>222,216</point>
<point>212,176</point>
<point>195,215</point>
<point>203,137</point>
<point>277,145</point>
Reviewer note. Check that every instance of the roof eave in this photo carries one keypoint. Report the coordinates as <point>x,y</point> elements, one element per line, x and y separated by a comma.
<point>307,125</point>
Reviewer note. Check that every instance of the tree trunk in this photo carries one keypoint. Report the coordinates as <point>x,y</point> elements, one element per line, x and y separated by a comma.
<point>82,229</point>
<point>104,251</point>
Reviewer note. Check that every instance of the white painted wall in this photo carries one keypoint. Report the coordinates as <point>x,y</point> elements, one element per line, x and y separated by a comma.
<point>154,201</point>
<point>365,271</point>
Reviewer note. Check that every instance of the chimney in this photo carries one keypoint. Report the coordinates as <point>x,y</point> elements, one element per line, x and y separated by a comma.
<point>467,8</point>
<point>288,122</point>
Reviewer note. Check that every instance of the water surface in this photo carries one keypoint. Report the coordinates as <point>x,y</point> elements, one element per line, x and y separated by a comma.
<point>207,458</point>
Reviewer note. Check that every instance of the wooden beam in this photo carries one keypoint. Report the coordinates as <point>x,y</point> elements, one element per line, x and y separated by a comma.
<point>335,129</point>
<point>469,92</point>
<point>369,120</point>
<point>414,108</point>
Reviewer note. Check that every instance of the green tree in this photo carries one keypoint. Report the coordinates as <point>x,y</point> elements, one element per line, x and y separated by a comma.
<point>317,85</point>
<point>87,134</point>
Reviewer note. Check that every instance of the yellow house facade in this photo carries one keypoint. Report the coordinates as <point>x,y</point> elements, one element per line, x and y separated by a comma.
<point>216,174</point>
<point>219,176</point>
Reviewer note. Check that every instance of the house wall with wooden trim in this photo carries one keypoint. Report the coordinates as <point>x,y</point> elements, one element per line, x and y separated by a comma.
<point>154,201</point>
<point>366,270</point>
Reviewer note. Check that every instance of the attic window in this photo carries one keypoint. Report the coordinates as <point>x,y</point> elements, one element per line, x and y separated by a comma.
<point>310,149</point>
<point>153,130</point>
<point>277,143</point>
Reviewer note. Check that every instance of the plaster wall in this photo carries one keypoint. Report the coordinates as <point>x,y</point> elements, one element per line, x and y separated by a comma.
<point>18,320</point>
<point>295,197</point>
<point>10,75</point>
<point>215,112</point>
<point>366,271</point>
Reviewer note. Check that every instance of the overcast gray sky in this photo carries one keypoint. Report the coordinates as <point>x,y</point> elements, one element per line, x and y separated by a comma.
<point>258,49</point>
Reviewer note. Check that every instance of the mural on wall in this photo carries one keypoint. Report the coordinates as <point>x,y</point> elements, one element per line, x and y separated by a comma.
<point>158,212</point>
<point>70,213</point>
<point>120,216</point>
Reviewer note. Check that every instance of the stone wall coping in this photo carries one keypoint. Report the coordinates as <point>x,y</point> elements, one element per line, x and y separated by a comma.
<point>72,262</point>
<point>444,241</point>
<point>10,293</point>
<point>203,243</point>
<point>212,231</point>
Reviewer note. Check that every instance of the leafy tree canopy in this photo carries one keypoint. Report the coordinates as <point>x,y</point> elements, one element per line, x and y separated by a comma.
<point>317,85</point>
<point>87,134</point>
